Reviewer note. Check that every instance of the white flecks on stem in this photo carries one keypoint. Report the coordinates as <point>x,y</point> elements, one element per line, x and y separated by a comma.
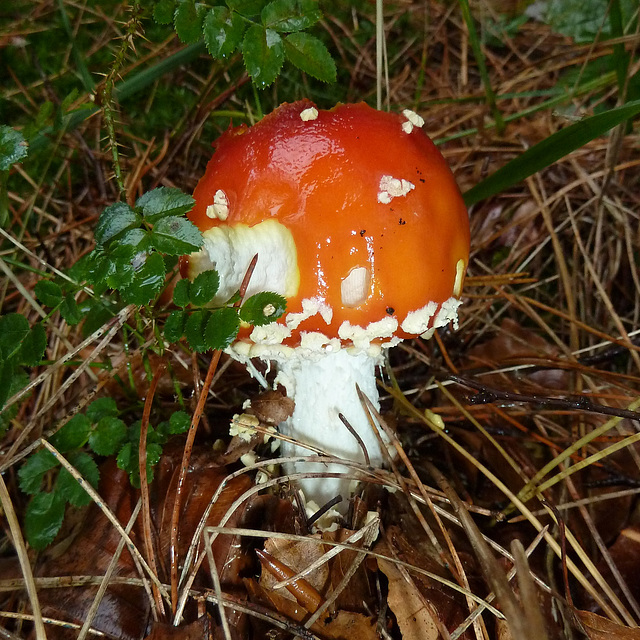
<point>322,389</point>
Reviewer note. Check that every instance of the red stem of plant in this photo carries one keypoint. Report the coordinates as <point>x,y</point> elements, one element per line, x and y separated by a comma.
<point>188,447</point>
<point>144,487</point>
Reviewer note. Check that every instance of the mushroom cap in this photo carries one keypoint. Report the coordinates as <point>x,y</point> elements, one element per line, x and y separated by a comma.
<point>380,229</point>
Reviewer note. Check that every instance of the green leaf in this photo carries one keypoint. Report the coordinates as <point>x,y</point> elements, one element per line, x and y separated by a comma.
<point>73,435</point>
<point>194,330</point>
<point>179,422</point>
<point>222,328</point>
<point>290,15</point>
<point>118,267</point>
<point>70,311</point>
<point>101,408</point>
<point>181,292</point>
<point>263,54</point>
<point>49,293</point>
<point>223,31</point>
<point>310,55</point>
<point>163,11</point>
<point>127,459</point>
<point>175,325</point>
<point>583,20</point>
<point>14,328</point>
<point>176,236</point>
<point>43,519</point>
<point>13,147</point>
<point>69,488</point>
<point>114,220</point>
<point>204,287</point>
<point>188,20</point>
<point>550,150</point>
<point>246,7</point>
<point>33,346</point>
<point>108,436</point>
<point>263,308</point>
<point>147,283</point>
<point>163,201</point>
<point>32,472</point>
<point>98,311</point>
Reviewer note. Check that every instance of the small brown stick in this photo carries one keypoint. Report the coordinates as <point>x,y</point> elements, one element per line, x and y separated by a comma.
<point>576,403</point>
<point>188,447</point>
<point>144,487</point>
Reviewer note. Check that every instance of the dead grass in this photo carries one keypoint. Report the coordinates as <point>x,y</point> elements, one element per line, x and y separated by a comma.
<point>552,311</point>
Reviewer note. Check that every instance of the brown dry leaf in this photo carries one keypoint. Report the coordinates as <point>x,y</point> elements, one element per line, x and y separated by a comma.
<point>344,625</point>
<point>124,610</point>
<point>598,628</point>
<point>415,618</point>
<point>199,629</point>
<point>297,555</point>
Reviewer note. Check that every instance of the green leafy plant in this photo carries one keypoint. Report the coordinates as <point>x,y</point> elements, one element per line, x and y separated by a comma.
<point>266,33</point>
<point>215,328</point>
<point>97,432</point>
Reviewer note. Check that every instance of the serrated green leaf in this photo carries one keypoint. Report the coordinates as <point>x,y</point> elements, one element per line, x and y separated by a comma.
<point>33,470</point>
<point>12,380</point>
<point>175,325</point>
<point>263,54</point>
<point>223,30</point>
<point>147,282</point>
<point>33,346</point>
<point>70,311</point>
<point>98,311</point>
<point>68,488</point>
<point>7,372</point>
<point>14,328</point>
<point>194,330</point>
<point>550,150</point>
<point>138,239</point>
<point>263,308</point>
<point>163,11</point>
<point>181,292</point>
<point>163,201</point>
<point>114,220</point>
<point>108,436</point>
<point>49,293</point>
<point>118,267</point>
<point>246,7</point>
<point>176,236</point>
<point>290,15</point>
<point>100,408</point>
<point>127,459</point>
<point>43,519</point>
<point>222,328</point>
<point>179,422</point>
<point>73,435</point>
<point>187,20</point>
<point>310,55</point>
<point>204,287</point>
<point>13,147</point>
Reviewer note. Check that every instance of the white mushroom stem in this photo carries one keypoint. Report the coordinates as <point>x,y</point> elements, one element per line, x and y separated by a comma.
<point>322,388</point>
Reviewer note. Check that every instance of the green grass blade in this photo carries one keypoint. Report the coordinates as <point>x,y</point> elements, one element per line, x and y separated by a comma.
<point>482,67</point>
<point>123,90</point>
<point>83,70</point>
<point>621,59</point>
<point>550,150</point>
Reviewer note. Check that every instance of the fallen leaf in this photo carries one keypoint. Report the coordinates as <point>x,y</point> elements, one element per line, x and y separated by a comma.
<point>598,628</point>
<point>414,616</point>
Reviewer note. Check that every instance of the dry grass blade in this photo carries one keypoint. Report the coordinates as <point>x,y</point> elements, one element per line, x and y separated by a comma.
<point>493,572</point>
<point>18,542</point>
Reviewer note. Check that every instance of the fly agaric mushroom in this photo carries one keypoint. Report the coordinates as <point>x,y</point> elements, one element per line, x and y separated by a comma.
<point>357,220</point>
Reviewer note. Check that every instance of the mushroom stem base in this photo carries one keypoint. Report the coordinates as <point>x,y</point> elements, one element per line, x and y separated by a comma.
<point>323,388</point>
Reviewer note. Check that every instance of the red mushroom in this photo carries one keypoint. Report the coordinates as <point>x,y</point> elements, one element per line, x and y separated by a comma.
<point>357,220</point>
